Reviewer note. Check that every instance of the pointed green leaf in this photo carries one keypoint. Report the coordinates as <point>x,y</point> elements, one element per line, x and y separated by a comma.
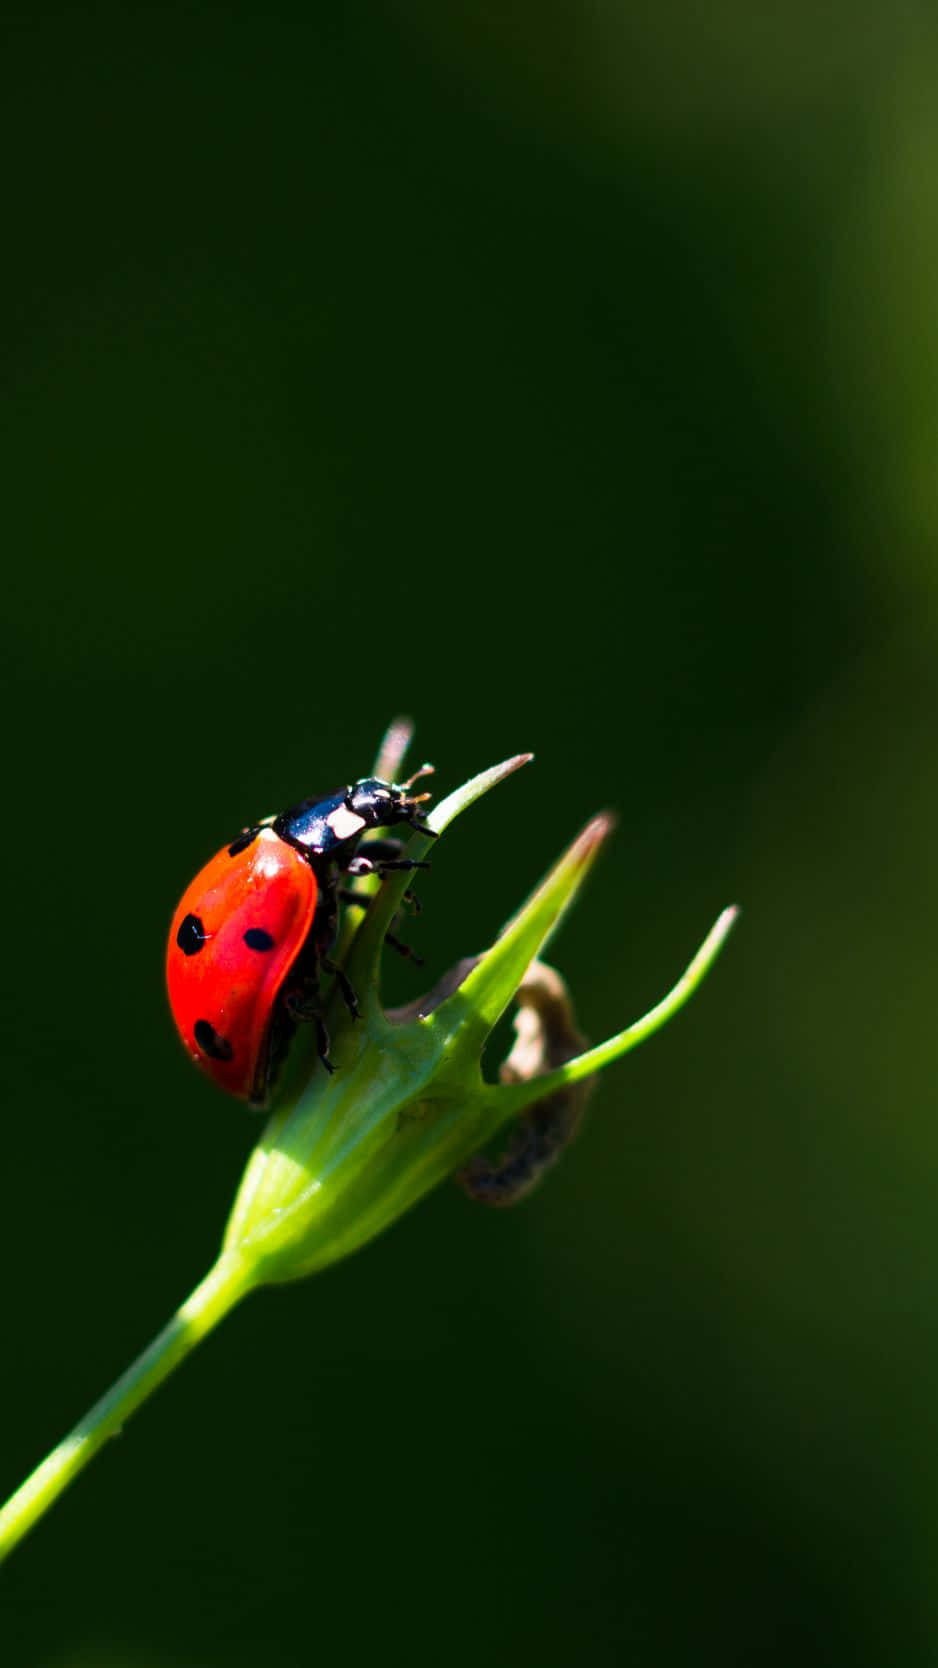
<point>486,992</point>
<point>515,1097</point>
<point>461,798</point>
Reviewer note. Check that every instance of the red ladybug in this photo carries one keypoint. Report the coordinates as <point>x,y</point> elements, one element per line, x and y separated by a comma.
<point>254,928</point>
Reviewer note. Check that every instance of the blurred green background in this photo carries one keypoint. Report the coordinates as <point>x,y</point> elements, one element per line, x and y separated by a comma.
<point>565,375</point>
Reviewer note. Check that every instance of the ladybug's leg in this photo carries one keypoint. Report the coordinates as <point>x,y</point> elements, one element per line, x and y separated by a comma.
<point>304,1007</point>
<point>322,1044</point>
<point>403,949</point>
<point>361,865</point>
<point>387,853</point>
<point>421,827</point>
<point>389,938</point>
<point>344,984</point>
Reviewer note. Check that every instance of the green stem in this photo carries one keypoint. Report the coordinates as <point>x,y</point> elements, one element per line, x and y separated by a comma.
<point>221,1289</point>
<point>515,1097</point>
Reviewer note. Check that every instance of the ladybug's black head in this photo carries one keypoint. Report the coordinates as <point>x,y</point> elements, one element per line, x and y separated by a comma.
<point>382,804</point>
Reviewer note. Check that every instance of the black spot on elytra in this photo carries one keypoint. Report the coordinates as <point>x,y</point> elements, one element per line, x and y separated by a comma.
<point>191,935</point>
<point>257,938</point>
<point>215,1046</point>
<point>243,841</point>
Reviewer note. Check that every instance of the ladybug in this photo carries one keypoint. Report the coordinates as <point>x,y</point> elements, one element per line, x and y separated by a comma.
<point>253,930</point>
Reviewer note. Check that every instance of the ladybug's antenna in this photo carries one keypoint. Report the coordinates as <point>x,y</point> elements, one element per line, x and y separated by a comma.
<point>425,770</point>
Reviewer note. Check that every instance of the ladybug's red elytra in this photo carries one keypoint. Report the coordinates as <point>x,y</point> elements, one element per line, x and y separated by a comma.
<point>253,930</point>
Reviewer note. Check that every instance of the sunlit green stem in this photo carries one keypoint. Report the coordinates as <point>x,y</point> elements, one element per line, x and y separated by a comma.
<point>221,1289</point>
<point>515,1097</point>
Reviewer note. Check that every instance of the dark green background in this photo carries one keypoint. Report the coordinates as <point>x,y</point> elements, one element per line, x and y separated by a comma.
<point>565,375</point>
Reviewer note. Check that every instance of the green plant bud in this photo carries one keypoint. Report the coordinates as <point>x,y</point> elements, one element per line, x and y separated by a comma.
<point>407,1106</point>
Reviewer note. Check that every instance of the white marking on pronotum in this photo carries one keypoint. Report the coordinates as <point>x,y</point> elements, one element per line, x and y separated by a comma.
<point>345,823</point>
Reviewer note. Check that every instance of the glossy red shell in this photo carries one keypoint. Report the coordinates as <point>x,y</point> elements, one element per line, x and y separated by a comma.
<point>269,891</point>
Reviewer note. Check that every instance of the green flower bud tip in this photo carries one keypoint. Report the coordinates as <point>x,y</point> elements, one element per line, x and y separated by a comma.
<point>408,1106</point>
<point>343,1156</point>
